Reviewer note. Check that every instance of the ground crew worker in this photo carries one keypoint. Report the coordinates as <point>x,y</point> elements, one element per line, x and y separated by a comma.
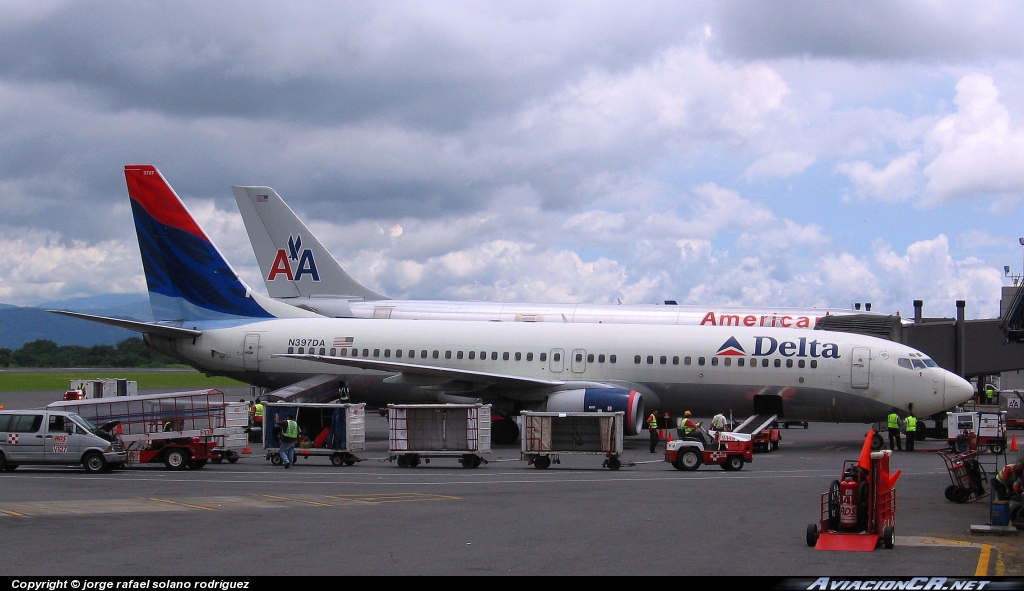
<point>289,435</point>
<point>990,393</point>
<point>652,426</point>
<point>257,413</point>
<point>911,431</point>
<point>718,422</point>
<point>1006,479</point>
<point>894,432</point>
<point>687,427</point>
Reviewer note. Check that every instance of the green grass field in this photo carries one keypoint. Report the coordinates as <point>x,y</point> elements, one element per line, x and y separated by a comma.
<point>20,382</point>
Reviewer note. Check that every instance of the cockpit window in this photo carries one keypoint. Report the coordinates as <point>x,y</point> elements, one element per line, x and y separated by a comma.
<point>930,363</point>
<point>904,362</point>
<point>918,364</point>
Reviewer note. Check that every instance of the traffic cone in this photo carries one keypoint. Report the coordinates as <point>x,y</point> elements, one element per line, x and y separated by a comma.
<point>1013,443</point>
<point>247,450</point>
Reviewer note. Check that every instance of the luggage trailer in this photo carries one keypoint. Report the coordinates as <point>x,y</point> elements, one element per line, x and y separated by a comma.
<point>419,432</point>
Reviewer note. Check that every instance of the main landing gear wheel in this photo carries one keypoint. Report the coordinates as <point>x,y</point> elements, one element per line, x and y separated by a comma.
<point>504,432</point>
<point>542,462</point>
<point>877,442</point>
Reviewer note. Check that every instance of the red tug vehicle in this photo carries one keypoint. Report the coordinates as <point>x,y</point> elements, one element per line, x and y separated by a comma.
<point>858,513</point>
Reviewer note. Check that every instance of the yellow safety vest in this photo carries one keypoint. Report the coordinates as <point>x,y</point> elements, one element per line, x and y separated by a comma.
<point>894,421</point>
<point>911,424</point>
<point>259,411</point>
<point>652,422</point>
<point>291,429</point>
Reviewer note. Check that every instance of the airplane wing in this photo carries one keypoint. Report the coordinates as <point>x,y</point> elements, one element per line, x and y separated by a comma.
<point>427,375</point>
<point>170,332</point>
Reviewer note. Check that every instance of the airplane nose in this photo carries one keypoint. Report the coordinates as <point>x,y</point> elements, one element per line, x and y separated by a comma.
<point>958,390</point>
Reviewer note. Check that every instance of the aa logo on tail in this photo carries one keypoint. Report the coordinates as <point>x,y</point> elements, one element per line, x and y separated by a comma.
<point>294,263</point>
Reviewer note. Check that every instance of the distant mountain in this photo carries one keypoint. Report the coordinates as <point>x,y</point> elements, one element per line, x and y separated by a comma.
<point>19,325</point>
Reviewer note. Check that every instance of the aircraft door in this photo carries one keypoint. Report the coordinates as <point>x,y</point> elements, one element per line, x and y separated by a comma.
<point>860,372</point>
<point>251,352</point>
<point>578,363</point>
<point>556,364</point>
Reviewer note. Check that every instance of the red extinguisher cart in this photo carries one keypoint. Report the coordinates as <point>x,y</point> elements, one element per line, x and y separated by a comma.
<point>858,513</point>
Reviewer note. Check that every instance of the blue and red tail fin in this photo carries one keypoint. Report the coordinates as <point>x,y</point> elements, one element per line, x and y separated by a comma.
<point>188,278</point>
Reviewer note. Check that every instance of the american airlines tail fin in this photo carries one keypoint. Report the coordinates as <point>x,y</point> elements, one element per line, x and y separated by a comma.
<point>187,276</point>
<point>293,262</point>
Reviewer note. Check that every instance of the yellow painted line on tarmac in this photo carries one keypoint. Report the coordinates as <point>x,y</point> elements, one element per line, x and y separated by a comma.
<point>13,513</point>
<point>299,501</point>
<point>190,505</point>
<point>983,558</point>
<point>392,498</point>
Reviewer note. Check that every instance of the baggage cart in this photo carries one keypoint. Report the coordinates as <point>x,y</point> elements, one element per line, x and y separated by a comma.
<point>858,513</point>
<point>979,430</point>
<point>968,477</point>
<point>331,430</point>
<point>419,432</point>
<point>547,435</point>
<point>180,429</point>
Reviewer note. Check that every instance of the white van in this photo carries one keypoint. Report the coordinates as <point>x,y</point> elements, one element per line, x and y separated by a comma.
<point>55,437</point>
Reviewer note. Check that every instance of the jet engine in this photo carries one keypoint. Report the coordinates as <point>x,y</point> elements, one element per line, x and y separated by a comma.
<point>628,401</point>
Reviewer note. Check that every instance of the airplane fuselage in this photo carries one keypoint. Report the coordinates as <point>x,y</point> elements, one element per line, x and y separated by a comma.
<point>806,374</point>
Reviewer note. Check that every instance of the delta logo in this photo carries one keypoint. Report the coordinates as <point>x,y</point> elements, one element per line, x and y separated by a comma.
<point>294,263</point>
<point>764,346</point>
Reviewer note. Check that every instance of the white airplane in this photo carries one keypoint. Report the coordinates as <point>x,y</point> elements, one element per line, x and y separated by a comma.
<point>297,269</point>
<point>209,318</point>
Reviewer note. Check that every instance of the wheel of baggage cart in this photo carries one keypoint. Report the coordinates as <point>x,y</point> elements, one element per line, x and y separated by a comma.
<point>403,462</point>
<point>688,460</point>
<point>275,459</point>
<point>94,463</point>
<point>960,495</point>
<point>232,457</point>
<point>833,505</point>
<point>196,464</point>
<point>175,459</point>
<point>470,461</point>
<point>733,463</point>
<point>812,534</point>
<point>217,459</point>
<point>996,448</point>
<point>542,462</point>
<point>337,460</point>
<point>411,460</point>
<point>888,537</point>
<point>614,463</point>
<point>949,492</point>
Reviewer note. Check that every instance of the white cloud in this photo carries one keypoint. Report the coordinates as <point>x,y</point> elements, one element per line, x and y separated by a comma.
<point>896,182</point>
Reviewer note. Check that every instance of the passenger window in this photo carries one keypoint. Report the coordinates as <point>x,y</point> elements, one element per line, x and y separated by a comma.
<point>700,361</point>
<point>529,356</point>
<point>600,358</point>
<point>764,363</point>
<point>814,363</point>
<point>333,352</point>
<point>355,352</point>
<point>636,359</point>
<point>343,352</point>
<point>519,356</point>
<point>436,353</point>
<point>675,360</point>
<point>590,358</point>
<point>412,354</point>
<point>387,352</point>
<point>321,350</point>
<point>579,357</point>
<point>728,361</point>
<point>447,354</point>
<point>714,361</point>
<point>778,363</point>
<point>650,359</point>
<point>504,356</point>
<point>663,360</point>
<point>398,353</point>
<point>302,350</point>
<point>291,350</point>
<point>739,362</point>
<point>366,352</point>
<point>472,354</point>
<point>800,364</point>
<point>376,352</point>
<point>687,360</point>
<point>423,354</point>
<point>611,358</point>
<point>789,363</point>
<point>543,356</point>
<point>458,354</point>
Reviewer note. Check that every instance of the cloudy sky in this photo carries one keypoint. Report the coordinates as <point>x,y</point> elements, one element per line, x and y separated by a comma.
<point>745,153</point>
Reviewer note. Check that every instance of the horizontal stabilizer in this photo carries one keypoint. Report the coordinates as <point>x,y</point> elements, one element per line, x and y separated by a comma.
<point>160,330</point>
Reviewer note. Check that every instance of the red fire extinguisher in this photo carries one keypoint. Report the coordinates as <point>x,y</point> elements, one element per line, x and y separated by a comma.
<point>848,504</point>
